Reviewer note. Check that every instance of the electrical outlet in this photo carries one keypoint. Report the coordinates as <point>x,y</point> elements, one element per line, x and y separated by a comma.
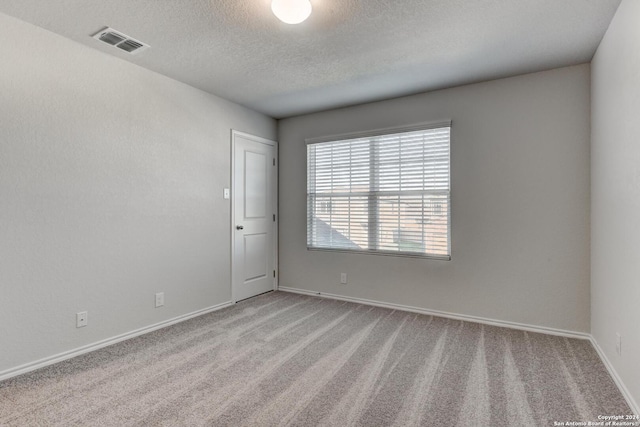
<point>82,319</point>
<point>619,344</point>
<point>159,299</point>
<point>343,278</point>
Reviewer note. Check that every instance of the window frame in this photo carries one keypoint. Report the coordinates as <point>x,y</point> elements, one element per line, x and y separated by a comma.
<point>371,134</point>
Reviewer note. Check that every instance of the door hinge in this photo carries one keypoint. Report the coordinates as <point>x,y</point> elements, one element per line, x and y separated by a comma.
<point>274,273</point>
<point>274,217</point>
<point>274,162</point>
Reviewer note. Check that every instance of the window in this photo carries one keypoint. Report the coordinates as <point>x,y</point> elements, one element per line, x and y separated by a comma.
<point>384,192</point>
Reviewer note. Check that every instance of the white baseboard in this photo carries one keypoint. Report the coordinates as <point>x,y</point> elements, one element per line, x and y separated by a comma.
<point>616,378</point>
<point>540,329</point>
<point>456,316</point>
<point>32,366</point>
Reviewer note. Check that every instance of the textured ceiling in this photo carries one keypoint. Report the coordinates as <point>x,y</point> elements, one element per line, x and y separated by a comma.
<point>347,52</point>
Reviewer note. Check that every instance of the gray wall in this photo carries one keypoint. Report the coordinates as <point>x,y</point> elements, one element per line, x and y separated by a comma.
<point>520,203</point>
<point>615,206</point>
<point>111,181</point>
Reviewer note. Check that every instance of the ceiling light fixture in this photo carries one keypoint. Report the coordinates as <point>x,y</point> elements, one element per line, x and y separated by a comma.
<point>291,11</point>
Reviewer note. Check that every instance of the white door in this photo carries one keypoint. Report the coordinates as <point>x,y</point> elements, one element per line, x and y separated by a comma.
<point>254,201</point>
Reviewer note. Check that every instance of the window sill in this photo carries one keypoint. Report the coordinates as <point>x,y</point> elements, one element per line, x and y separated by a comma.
<point>383,253</point>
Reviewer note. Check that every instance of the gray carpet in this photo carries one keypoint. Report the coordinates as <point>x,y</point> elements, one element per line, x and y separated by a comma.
<point>286,359</point>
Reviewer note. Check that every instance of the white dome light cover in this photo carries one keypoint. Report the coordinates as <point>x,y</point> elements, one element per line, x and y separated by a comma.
<point>291,11</point>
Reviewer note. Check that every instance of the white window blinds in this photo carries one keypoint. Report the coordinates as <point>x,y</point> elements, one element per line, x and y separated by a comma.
<point>386,193</point>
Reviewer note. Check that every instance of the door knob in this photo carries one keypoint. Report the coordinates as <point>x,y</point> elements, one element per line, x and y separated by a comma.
<point>239,227</point>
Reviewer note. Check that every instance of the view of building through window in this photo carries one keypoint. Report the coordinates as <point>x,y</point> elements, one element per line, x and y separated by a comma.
<point>385,193</point>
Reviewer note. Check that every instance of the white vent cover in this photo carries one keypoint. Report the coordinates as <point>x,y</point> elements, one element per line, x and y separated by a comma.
<point>121,41</point>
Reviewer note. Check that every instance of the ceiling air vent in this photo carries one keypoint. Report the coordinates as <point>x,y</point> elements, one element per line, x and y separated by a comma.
<point>120,40</point>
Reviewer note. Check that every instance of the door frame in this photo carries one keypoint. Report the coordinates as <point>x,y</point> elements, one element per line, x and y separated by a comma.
<point>232,225</point>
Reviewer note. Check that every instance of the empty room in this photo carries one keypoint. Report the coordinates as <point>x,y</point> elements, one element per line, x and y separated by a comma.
<point>320,213</point>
